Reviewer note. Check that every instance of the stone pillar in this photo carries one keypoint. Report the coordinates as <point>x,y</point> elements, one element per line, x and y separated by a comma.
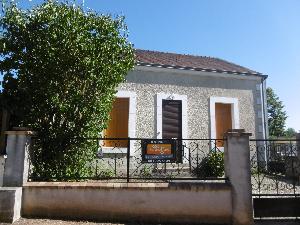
<point>16,165</point>
<point>2,163</point>
<point>237,169</point>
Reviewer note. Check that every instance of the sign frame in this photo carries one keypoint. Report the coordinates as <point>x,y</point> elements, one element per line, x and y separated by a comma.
<point>158,146</point>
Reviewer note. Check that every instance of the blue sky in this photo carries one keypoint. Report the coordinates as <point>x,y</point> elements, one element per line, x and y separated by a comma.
<point>261,35</point>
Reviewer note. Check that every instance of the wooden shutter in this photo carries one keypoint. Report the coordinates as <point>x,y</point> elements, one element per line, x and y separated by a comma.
<point>171,119</point>
<point>118,124</point>
<point>223,121</point>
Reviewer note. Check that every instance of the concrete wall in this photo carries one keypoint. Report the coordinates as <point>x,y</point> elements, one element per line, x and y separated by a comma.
<point>155,202</point>
<point>199,87</point>
<point>10,204</point>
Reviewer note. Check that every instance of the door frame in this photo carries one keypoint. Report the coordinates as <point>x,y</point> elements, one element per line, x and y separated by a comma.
<point>235,118</point>
<point>184,120</point>
<point>131,124</point>
<point>164,96</point>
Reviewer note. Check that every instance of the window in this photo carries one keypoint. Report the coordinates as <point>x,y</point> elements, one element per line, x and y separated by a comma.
<point>171,112</point>
<point>224,115</point>
<point>122,124</point>
<point>118,124</point>
<point>223,121</point>
<point>171,119</point>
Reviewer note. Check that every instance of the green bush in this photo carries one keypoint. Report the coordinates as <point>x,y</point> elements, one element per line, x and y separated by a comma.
<point>211,166</point>
<point>146,171</point>
<point>61,68</point>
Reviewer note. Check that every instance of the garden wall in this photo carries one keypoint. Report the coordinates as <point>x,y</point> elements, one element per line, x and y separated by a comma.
<point>147,202</point>
<point>226,201</point>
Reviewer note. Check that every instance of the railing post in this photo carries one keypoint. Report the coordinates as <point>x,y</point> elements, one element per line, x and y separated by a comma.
<point>298,154</point>
<point>298,145</point>
<point>237,169</point>
<point>128,160</point>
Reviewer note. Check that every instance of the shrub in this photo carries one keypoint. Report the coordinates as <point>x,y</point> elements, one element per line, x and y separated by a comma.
<point>61,67</point>
<point>211,166</point>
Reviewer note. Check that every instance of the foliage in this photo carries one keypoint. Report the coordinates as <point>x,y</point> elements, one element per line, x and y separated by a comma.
<point>290,132</point>
<point>211,166</point>
<point>146,171</point>
<point>61,67</point>
<point>276,114</point>
<point>105,174</point>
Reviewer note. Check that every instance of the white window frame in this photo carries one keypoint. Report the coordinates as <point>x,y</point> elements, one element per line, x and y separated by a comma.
<point>131,124</point>
<point>235,118</point>
<point>168,96</point>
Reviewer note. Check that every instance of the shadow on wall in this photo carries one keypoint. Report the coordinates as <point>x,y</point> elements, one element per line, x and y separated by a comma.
<point>207,80</point>
<point>2,163</point>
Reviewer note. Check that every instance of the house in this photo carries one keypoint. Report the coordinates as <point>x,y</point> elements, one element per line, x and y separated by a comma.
<point>170,95</point>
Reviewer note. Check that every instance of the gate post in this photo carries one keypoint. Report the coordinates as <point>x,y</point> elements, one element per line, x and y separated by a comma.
<point>237,169</point>
<point>2,163</point>
<point>16,165</point>
<point>15,174</point>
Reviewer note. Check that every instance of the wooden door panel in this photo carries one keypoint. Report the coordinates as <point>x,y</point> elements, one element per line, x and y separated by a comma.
<point>171,119</point>
<point>223,121</point>
<point>172,124</point>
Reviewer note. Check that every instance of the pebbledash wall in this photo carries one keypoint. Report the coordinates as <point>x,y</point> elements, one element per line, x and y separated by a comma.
<point>200,89</point>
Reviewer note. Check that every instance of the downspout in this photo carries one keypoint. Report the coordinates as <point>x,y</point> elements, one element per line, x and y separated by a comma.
<point>265,119</point>
<point>264,100</point>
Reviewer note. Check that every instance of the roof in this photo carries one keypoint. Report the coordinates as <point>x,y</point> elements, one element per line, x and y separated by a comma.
<point>189,62</point>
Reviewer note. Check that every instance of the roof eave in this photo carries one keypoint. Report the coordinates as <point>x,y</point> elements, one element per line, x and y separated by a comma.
<point>157,65</point>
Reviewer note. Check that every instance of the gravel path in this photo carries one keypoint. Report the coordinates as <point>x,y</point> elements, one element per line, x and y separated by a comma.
<point>62,222</point>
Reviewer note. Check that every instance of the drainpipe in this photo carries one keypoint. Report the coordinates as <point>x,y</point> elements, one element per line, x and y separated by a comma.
<point>264,109</point>
<point>265,118</point>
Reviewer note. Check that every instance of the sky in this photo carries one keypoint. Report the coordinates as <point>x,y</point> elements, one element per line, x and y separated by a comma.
<point>263,35</point>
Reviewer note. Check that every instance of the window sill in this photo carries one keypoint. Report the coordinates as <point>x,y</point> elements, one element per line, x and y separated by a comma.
<point>220,149</point>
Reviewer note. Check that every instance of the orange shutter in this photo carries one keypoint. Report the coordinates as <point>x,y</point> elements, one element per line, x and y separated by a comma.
<point>118,124</point>
<point>223,121</point>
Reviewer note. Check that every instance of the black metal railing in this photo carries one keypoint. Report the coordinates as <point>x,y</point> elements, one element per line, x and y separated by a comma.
<point>121,159</point>
<point>275,167</point>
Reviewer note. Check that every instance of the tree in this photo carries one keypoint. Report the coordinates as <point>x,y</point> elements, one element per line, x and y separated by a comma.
<point>290,132</point>
<point>61,67</point>
<point>276,114</point>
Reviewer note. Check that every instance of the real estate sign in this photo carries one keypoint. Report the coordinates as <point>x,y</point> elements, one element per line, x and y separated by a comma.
<point>156,150</point>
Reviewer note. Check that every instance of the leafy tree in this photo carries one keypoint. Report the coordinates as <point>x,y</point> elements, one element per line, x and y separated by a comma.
<point>276,114</point>
<point>61,67</point>
<point>290,132</point>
